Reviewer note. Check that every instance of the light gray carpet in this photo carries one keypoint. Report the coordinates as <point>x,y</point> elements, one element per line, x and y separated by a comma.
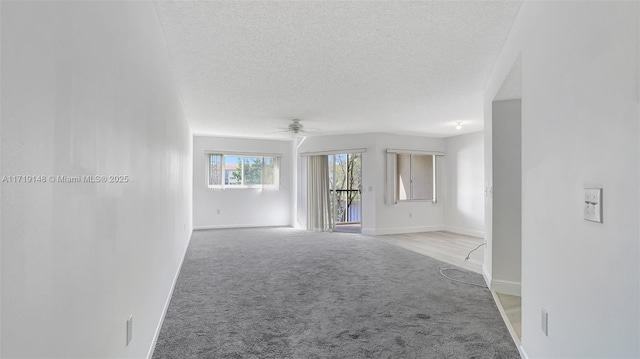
<point>348,228</point>
<point>284,293</point>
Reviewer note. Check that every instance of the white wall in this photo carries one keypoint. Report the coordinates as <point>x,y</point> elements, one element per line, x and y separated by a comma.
<point>579,128</point>
<point>507,193</point>
<point>464,184</point>
<point>377,216</point>
<point>87,89</point>
<point>240,207</point>
<point>0,189</point>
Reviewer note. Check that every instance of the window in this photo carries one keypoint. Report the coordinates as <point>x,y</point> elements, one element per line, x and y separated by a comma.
<point>243,171</point>
<point>411,176</point>
<point>415,177</point>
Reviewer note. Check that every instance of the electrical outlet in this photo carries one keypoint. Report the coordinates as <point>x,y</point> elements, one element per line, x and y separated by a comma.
<point>545,322</point>
<point>593,204</point>
<point>410,215</point>
<point>217,211</point>
<point>129,329</point>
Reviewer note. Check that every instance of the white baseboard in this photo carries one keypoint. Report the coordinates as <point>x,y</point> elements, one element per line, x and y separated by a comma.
<point>507,323</point>
<point>368,231</point>
<point>168,301</point>
<point>465,231</point>
<point>501,286</point>
<point>523,355</point>
<point>231,226</point>
<point>487,276</point>
<point>400,230</point>
<point>506,287</point>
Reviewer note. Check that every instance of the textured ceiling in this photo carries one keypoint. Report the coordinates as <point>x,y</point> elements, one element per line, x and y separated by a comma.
<point>247,68</point>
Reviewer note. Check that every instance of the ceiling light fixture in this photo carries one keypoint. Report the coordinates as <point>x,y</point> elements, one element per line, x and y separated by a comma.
<point>459,125</point>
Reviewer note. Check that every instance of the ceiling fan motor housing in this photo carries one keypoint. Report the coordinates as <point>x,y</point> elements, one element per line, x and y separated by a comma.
<point>295,126</point>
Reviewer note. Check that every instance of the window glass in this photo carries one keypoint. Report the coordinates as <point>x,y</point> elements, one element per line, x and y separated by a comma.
<point>215,170</point>
<point>268,174</point>
<point>422,183</point>
<point>404,176</point>
<point>237,171</point>
<point>233,170</point>
<point>252,171</point>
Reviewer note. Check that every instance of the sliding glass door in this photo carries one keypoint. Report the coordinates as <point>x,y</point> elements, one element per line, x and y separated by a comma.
<point>345,177</point>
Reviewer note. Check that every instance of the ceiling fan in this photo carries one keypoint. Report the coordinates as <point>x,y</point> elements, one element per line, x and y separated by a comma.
<point>296,129</point>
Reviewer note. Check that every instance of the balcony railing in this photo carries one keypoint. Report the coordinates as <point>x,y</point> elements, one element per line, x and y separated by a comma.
<point>347,212</point>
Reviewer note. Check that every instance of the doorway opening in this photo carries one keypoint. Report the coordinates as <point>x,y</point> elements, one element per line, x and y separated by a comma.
<point>505,201</point>
<point>345,185</point>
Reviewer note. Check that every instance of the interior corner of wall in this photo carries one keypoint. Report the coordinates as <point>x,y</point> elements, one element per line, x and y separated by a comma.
<point>369,231</point>
<point>506,287</point>
<point>487,275</point>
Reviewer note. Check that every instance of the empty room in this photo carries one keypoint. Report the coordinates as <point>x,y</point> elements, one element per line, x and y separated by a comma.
<point>319,179</point>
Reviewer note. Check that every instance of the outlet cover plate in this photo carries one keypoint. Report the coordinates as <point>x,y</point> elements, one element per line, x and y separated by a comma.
<point>593,204</point>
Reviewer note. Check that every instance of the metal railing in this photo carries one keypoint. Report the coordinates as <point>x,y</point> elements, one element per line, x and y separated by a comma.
<point>347,212</point>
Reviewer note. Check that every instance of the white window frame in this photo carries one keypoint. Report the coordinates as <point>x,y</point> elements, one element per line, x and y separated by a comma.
<point>276,158</point>
<point>411,196</point>
<point>392,189</point>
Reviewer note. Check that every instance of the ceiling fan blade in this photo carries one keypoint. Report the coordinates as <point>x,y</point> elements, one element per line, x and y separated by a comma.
<point>282,131</point>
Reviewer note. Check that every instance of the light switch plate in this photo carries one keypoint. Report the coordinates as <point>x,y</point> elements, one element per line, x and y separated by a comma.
<point>593,204</point>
